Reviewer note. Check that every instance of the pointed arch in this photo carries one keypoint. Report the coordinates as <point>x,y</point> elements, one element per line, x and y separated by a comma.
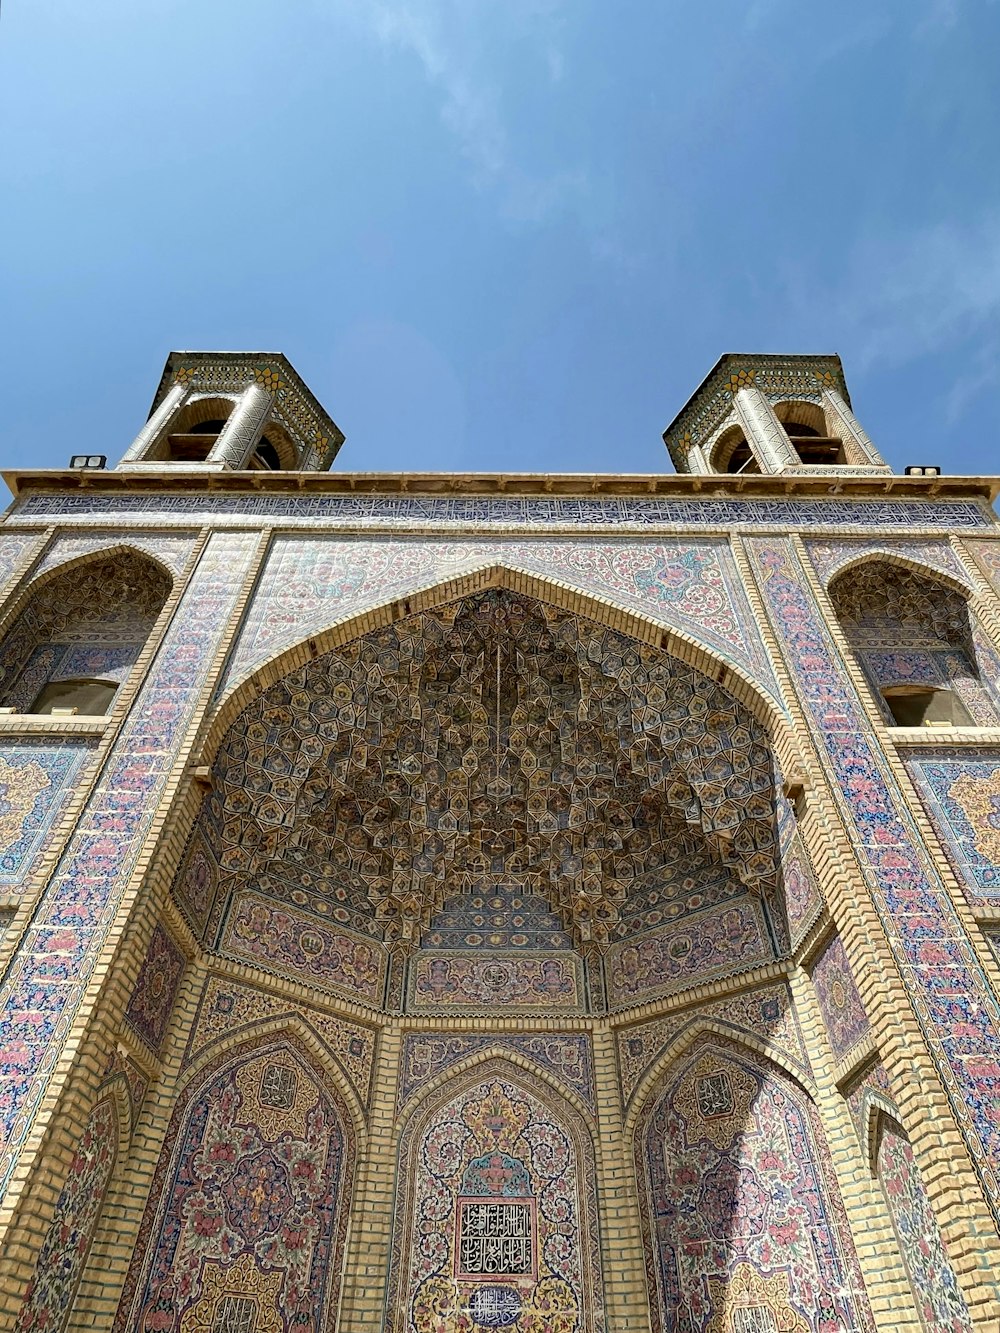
<point>88,618</point>
<point>498,574</point>
<point>260,1145</point>
<point>299,1030</point>
<point>38,581</point>
<point>453,1075</point>
<point>731,1161</point>
<point>876,555</point>
<point>114,548</point>
<point>498,1115</point>
<point>697,1028</point>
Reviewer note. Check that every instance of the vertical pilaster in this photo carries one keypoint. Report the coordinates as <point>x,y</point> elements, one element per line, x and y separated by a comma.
<point>624,1263</point>
<point>765,433</point>
<point>697,463</point>
<point>874,1240</point>
<point>157,426</point>
<point>362,1304</point>
<point>902,887</point>
<point>242,430</point>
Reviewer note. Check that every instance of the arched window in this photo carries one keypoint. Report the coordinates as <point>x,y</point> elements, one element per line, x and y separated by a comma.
<point>917,642</point>
<point>80,633</point>
<point>806,426</point>
<point>196,429</point>
<point>733,454</point>
<point>265,457</point>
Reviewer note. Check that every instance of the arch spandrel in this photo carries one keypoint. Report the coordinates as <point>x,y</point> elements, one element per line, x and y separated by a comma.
<point>688,587</point>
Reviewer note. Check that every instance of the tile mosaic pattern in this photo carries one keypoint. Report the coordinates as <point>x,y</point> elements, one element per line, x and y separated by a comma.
<point>839,1000</point>
<point>421,511</point>
<point>152,1001</point>
<point>63,1254</point>
<point>987,556</point>
<point>567,1056</point>
<point>46,982</point>
<point>803,897</point>
<point>518,982</point>
<point>705,945</point>
<point>94,617</point>
<point>939,1298</point>
<point>301,946</point>
<point>13,545</point>
<point>498,918</point>
<point>172,549</point>
<point>739,1201</point>
<point>311,583</point>
<point>250,1197</point>
<point>766,1013</point>
<point>828,556</point>
<point>906,629</point>
<point>960,790</point>
<point>953,998</point>
<point>37,781</point>
<point>503,1139</point>
<point>227,1009</point>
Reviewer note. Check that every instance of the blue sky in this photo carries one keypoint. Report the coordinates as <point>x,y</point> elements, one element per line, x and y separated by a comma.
<point>501,234</point>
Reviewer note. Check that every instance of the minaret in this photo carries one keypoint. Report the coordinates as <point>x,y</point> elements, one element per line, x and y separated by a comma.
<point>233,411</point>
<point>787,415</point>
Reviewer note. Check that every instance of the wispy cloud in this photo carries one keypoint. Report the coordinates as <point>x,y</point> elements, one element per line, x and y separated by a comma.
<point>910,296</point>
<point>452,41</point>
<point>902,297</point>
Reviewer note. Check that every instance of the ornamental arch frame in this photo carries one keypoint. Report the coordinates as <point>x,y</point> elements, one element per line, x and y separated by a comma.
<point>35,582</point>
<point>884,556</point>
<point>451,1084</point>
<point>650,1084</point>
<point>565,597</point>
<point>295,1027</point>
<point>224,1055</point>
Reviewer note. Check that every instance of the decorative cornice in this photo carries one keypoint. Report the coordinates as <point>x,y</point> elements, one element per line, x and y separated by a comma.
<point>178,481</point>
<point>295,407</point>
<point>777,377</point>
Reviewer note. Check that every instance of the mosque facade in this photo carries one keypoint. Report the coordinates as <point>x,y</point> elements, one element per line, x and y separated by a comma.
<point>551,903</point>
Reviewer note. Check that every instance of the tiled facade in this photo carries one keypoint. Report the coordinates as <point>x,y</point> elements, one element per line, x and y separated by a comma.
<point>499,903</point>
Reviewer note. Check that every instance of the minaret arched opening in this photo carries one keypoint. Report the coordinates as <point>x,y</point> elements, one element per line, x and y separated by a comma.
<point>810,434</point>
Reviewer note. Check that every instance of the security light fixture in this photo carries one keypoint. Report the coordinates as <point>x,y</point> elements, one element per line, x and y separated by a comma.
<point>914,471</point>
<point>89,460</point>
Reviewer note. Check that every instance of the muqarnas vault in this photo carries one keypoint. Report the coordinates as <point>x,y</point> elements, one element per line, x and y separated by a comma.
<point>560,904</point>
